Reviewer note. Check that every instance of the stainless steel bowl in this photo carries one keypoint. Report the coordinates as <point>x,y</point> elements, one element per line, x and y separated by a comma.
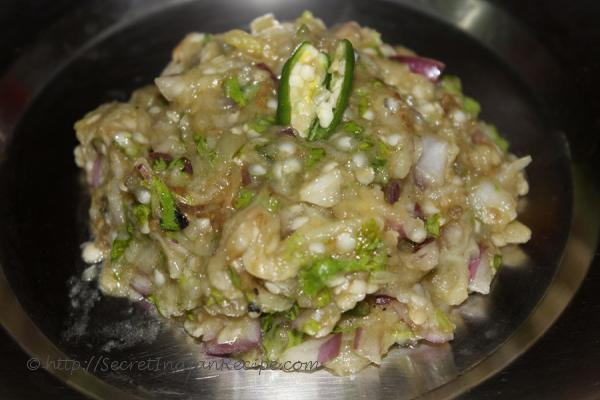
<point>104,49</point>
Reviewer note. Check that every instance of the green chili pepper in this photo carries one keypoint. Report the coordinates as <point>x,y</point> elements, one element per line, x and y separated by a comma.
<point>339,86</point>
<point>297,94</point>
<point>235,278</point>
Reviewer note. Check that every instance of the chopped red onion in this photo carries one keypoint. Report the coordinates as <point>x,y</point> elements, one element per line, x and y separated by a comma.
<point>96,173</point>
<point>357,336</point>
<point>419,211</point>
<point>246,177</point>
<point>187,166</point>
<point>305,351</point>
<point>289,131</point>
<point>142,285</point>
<point>265,67</point>
<point>145,304</point>
<point>474,265</point>
<point>391,191</point>
<point>424,243</point>
<point>223,349</point>
<point>382,299</point>
<point>330,349</point>
<point>428,67</point>
<point>480,273</point>
<point>248,341</point>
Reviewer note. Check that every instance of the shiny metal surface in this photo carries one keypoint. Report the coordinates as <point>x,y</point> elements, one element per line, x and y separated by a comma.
<point>526,299</point>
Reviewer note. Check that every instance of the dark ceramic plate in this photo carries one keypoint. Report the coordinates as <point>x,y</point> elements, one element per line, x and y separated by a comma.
<point>104,50</point>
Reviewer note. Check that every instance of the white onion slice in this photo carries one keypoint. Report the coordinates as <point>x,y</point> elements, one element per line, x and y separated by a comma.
<point>431,167</point>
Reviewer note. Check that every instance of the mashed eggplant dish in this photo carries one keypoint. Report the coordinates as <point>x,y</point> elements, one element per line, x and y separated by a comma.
<point>300,193</point>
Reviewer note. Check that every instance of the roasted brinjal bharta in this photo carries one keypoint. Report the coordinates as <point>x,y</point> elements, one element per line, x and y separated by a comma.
<point>300,193</point>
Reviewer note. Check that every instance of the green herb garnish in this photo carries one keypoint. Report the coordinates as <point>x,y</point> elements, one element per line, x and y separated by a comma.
<point>370,256</point>
<point>264,150</point>
<point>432,225</point>
<point>315,154</point>
<point>118,248</point>
<point>498,140</point>
<point>362,309</point>
<point>245,197</point>
<point>471,106</point>
<point>234,91</point>
<point>235,277</point>
<point>353,128</point>
<point>171,219</point>
<point>261,124</point>
<point>497,261</point>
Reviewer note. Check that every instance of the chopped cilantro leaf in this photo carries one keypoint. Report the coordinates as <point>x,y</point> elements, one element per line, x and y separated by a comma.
<point>261,124</point>
<point>471,106</point>
<point>353,127</point>
<point>495,136</point>
<point>233,91</point>
<point>118,248</point>
<point>315,154</point>
<point>497,261</point>
<point>432,225</point>
<point>245,197</point>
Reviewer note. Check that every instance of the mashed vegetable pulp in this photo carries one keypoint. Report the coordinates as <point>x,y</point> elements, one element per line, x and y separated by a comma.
<point>298,193</point>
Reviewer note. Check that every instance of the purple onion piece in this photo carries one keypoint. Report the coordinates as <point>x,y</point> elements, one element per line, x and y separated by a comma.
<point>289,131</point>
<point>357,336</point>
<point>395,226</point>
<point>473,266</point>
<point>145,304</point>
<point>265,67</point>
<point>391,191</point>
<point>330,349</point>
<point>223,349</point>
<point>382,299</point>
<point>155,155</point>
<point>187,166</point>
<point>424,243</point>
<point>144,171</point>
<point>475,262</point>
<point>246,177</point>
<point>429,68</point>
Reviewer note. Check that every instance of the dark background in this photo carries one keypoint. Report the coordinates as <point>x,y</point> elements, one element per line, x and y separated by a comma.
<point>565,363</point>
